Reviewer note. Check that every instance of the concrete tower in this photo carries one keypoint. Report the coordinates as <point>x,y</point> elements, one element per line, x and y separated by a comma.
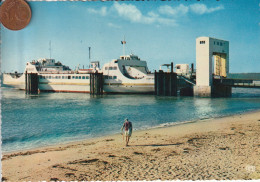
<point>212,58</point>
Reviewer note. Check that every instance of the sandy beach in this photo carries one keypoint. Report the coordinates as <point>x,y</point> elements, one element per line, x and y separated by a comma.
<point>222,148</point>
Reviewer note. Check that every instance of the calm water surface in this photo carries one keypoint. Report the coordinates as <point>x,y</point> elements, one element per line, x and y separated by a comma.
<point>52,118</point>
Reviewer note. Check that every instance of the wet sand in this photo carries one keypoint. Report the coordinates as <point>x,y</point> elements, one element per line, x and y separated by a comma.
<point>222,148</point>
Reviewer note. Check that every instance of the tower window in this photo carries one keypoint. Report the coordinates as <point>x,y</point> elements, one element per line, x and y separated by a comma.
<point>202,42</point>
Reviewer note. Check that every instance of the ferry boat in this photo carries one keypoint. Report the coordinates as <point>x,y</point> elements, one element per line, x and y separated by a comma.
<point>128,74</point>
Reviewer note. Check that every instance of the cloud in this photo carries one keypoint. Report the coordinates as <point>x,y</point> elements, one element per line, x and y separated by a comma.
<point>182,10</point>
<point>113,25</point>
<point>133,14</point>
<point>102,11</point>
<point>174,11</point>
<point>163,15</point>
<point>203,9</point>
<point>128,11</point>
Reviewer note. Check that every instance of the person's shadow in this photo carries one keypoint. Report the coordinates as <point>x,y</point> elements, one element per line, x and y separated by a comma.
<point>156,145</point>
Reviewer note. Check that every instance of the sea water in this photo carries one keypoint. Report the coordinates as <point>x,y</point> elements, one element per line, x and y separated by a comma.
<point>30,121</point>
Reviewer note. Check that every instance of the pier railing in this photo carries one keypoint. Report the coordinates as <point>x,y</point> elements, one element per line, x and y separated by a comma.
<point>245,83</point>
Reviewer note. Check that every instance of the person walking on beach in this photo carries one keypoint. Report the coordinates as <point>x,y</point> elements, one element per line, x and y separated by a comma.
<point>128,131</point>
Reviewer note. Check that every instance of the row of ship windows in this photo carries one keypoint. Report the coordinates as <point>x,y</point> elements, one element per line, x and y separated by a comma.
<point>64,77</point>
<point>73,77</point>
<point>111,68</point>
<point>110,77</point>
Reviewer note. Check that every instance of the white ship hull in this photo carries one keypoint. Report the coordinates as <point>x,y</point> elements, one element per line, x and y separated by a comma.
<point>81,86</point>
<point>125,75</point>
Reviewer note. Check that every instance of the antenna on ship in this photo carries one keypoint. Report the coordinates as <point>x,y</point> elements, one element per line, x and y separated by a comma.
<point>123,42</point>
<point>50,48</point>
<point>89,48</point>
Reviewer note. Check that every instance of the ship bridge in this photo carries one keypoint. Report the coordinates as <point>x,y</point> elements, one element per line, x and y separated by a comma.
<point>130,57</point>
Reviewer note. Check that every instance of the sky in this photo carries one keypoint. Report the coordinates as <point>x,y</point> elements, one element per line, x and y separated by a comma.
<point>157,31</point>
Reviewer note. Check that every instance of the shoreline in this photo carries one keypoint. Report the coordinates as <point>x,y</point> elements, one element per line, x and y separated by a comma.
<point>186,142</point>
<point>163,125</point>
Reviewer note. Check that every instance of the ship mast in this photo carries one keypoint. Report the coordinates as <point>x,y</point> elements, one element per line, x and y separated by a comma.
<point>123,42</point>
<point>89,48</point>
<point>50,48</point>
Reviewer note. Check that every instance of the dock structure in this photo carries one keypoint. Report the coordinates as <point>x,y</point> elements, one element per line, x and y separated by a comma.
<point>96,83</point>
<point>165,83</point>
<point>212,70</point>
<point>31,83</point>
<point>212,58</point>
<point>211,78</point>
